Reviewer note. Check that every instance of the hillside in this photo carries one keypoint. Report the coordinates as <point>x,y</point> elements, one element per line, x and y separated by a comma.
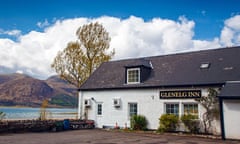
<point>23,90</point>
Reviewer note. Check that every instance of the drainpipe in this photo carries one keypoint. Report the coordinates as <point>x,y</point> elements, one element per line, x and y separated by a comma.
<point>222,118</point>
<point>80,104</point>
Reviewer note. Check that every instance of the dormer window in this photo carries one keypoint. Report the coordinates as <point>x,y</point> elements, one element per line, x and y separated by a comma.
<point>133,75</point>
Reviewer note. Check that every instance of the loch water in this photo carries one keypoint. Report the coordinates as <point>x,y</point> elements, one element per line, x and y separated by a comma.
<point>21,113</point>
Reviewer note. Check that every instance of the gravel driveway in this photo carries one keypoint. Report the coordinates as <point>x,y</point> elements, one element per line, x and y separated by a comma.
<point>97,136</point>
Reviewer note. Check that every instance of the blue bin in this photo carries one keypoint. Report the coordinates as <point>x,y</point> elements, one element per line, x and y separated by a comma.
<point>66,124</point>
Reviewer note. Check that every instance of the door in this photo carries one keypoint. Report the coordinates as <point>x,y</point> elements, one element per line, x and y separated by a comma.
<point>231,113</point>
<point>99,115</point>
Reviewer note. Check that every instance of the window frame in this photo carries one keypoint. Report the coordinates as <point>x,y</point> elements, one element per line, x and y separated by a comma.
<point>192,113</point>
<point>99,109</point>
<point>132,106</point>
<point>139,73</point>
<point>166,109</point>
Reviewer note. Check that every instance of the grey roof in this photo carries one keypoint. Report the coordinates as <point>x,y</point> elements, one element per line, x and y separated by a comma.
<point>139,62</point>
<point>230,90</point>
<point>171,70</point>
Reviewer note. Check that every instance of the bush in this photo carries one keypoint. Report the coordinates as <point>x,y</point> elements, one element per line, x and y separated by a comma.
<point>168,123</point>
<point>191,123</point>
<point>138,122</point>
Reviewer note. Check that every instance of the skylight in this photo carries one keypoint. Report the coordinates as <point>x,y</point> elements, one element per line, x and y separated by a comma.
<point>205,65</point>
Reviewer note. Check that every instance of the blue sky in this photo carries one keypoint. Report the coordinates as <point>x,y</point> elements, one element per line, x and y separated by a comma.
<point>33,31</point>
<point>208,15</point>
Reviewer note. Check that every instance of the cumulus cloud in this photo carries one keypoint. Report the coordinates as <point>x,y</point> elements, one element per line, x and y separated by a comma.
<point>133,37</point>
<point>230,35</point>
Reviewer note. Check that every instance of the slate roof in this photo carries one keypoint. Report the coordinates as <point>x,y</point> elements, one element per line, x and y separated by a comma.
<point>171,70</point>
<point>230,90</point>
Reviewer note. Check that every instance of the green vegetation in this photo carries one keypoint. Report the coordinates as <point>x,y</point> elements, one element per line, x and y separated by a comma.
<point>191,123</point>
<point>64,100</point>
<point>168,123</point>
<point>138,122</point>
<point>211,105</point>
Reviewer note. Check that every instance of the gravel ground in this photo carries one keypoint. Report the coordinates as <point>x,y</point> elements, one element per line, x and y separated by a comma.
<point>97,136</point>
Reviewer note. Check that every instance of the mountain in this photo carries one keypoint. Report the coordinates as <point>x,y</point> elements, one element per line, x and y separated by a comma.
<point>23,90</point>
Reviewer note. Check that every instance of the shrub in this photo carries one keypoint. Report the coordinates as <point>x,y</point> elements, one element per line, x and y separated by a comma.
<point>168,123</point>
<point>138,122</point>
<point>191,123</point>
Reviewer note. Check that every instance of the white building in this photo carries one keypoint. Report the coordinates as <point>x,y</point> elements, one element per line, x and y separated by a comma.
<point>153,86</point>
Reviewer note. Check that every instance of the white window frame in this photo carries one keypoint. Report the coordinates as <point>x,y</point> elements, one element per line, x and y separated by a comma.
<point>98,109</point>
<point>129,108</point>
<point>183,106</point>
<point>165,107</point>
<point>133,69</point>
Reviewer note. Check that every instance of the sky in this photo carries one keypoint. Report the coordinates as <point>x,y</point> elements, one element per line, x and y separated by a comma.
<point>33,31</point>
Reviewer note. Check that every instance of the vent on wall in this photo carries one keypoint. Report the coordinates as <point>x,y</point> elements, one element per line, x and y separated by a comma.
<point>87,102</point>
<point>117,102</point>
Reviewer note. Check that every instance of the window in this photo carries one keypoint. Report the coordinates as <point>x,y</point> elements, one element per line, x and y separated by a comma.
<point>99,109</point>
<point>205,65</point>
<point>133,75</point>
<point>132,109</point>
<point>191,108</point>
<point>172,109</point>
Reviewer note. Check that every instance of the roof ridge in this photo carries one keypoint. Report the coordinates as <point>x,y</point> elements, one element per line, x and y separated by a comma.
<point>173,54</point>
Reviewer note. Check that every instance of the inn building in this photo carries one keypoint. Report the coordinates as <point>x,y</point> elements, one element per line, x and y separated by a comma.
<point>167,84</point>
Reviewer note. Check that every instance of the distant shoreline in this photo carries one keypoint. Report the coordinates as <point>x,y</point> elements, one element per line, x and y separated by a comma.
<point>15,107</point>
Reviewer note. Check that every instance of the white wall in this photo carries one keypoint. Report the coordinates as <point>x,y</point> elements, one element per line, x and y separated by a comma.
<point>231,113</point>
<point>149,105</point>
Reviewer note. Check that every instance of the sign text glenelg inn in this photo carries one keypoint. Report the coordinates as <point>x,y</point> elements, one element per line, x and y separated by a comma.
<point>181,94</point>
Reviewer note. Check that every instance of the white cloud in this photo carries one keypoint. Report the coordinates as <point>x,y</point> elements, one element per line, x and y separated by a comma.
<point>43,24</point>
<point>230,35</point>
<point>34,52</point>
<point>11,32</point>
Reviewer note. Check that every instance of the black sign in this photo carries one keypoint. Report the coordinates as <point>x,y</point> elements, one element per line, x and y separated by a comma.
<point>180,94</point>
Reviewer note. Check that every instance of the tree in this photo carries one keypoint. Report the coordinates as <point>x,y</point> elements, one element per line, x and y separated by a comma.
<point>95,40</point>
<point>80,58</point>
<point>211,105</point>
<point>2,115</point>
<point>43,111</point>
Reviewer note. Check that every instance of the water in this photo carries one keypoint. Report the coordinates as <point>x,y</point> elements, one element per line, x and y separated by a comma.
<point>13,113</point>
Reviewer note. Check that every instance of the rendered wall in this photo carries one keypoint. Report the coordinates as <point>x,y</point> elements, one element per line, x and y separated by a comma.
<point>149,105</point>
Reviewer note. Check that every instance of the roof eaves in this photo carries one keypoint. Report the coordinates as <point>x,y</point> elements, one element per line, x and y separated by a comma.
<point>151,87</point>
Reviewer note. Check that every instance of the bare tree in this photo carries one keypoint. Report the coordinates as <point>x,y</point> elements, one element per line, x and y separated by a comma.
<point>211,105</point>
